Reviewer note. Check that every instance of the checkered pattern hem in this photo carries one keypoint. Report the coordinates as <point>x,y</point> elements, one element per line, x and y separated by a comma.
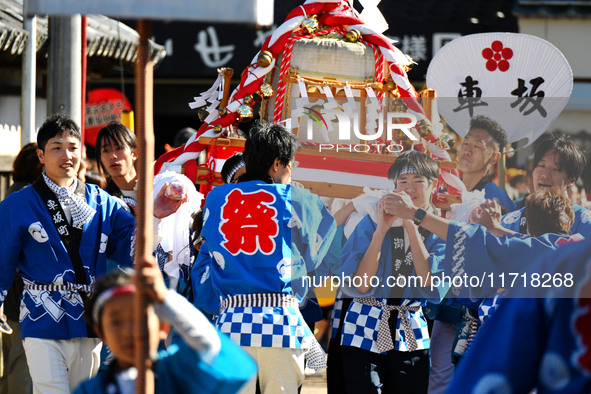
<point>266,326</point>
<point>362,323</point>
<point>335,318</point>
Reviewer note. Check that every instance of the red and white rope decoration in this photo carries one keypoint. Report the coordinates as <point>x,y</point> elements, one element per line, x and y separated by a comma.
<point>333,15</point>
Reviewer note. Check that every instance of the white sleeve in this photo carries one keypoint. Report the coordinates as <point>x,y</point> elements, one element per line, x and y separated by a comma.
<point>191,324</point>
<point>156,232</point>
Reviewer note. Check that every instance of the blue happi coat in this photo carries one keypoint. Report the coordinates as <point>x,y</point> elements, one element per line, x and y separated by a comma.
<point>30,243</point>
<point>581,225</point>
<point>472,252</point>
<point>494,192</point>
<point>260,238</point>
<point>361,323</point>
<point>543,341</point>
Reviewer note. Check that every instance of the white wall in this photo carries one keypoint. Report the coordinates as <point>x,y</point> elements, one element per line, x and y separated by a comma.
<point>571,36</point>
<point>10,120</point>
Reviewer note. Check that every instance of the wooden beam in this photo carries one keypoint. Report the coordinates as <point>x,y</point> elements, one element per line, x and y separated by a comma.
<point>203,173</point>
<point>223,141</point>
<point>144,73</point>
<point>361,156</point>
<point>327,189</point>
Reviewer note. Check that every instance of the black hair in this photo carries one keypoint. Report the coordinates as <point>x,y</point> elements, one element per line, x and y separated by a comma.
<point>231,166</point>
<point>55,126</point>
<point>182,136</point>
<point>495,130</point>
<point>115,278</point>
<point>424,164</point>
<point>120,135</point>
<point>196,226</point>
<point>267,142</point>
<point>570,158</point>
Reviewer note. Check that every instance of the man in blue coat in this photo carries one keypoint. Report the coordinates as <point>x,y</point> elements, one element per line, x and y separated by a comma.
<point>57,235</point>
<point>262,237</point>
<point>541,342</point>
<point>477,156</point>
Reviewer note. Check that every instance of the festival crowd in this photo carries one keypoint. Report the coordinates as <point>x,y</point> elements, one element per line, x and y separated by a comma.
<point>231,307</point>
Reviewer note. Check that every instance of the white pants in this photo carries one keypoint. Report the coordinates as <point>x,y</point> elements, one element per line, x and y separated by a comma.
<point>280,370</point>
<point>442,369</point>
<point>58,366</point>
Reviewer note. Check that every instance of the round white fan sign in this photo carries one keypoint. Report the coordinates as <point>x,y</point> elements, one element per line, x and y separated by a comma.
<point>521,81</point>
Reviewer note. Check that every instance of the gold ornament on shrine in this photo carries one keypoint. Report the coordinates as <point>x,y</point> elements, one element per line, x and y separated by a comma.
<point>446,142</point>
<point>313,90</point>
<point>266,91</point>
<point>245,113</point>
<point>410,65</point>
<point>222,112</point>
<point>310,24</point>
<point>390,85</point>
<point>202,114</point>
<point>217,128</point>
<point>399,106</point>
<point>248,99</point>
<point>425,129</point>
<point>353,35</point>
<point>265,59</point>
<point>341,93</point>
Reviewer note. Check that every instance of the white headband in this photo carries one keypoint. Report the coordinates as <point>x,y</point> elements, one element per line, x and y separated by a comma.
<point>409,169</point>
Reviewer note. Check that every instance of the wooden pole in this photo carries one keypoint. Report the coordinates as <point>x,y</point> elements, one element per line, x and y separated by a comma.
<point>227,73</point>
<point>502,169</point>
<point>144,211</point>
<point>83,67</point>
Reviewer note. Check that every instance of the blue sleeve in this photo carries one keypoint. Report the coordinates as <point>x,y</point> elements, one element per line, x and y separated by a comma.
<point>513,351</point>
<point>353,253</point>
<point>204,295</point>
<point>318,228</point>
<point>331,264</point>
<point>474,252</point>
<point>512,220</point>
<point>120,247</point>
<point>95,385</point>
<point>436,248</point>
<point>493,192</point>
<point>181,370</point>
<point>10,244</point>
<point>582,224</point>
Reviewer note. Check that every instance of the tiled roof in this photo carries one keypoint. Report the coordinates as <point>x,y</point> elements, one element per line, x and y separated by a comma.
<point>578,9</point>
<point>105,37</point>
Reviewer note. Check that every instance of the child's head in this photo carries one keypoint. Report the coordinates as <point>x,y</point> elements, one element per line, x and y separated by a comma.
<point>111,311</point>
<point>415,173</point>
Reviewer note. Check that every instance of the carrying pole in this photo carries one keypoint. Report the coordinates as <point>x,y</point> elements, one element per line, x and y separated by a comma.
<point>145,146</point>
